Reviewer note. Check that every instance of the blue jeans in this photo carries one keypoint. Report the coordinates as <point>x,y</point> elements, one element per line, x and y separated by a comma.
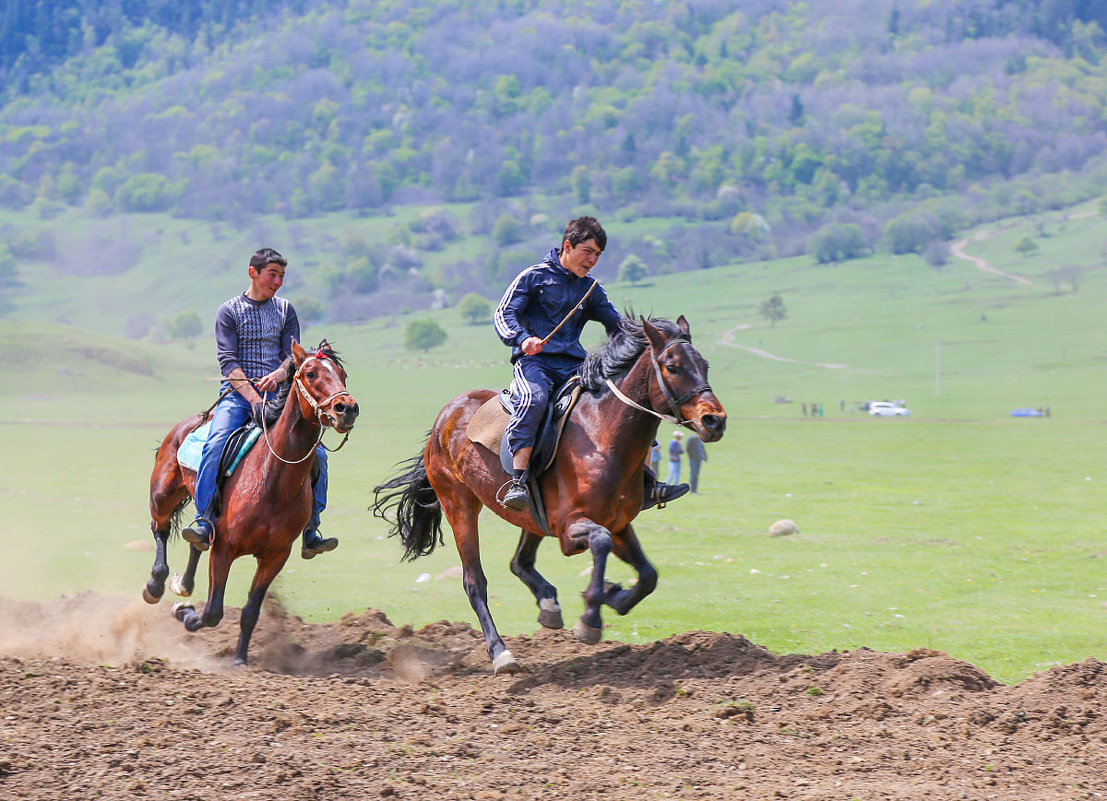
<point>230,414</point>
<point>674,472</point>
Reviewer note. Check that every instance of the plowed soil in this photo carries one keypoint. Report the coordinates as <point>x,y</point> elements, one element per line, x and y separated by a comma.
<point>105,698</point>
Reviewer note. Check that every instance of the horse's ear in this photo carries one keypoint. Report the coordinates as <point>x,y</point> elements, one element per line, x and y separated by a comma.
<point>684,326</point>
<point>298,353</point>
<point>655,337</point>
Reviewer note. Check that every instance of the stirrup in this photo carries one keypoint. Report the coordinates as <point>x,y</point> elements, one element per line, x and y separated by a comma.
<point>317,544</point>
<point>662,494</point>
<point>200,532</point>
<point>517,498</point>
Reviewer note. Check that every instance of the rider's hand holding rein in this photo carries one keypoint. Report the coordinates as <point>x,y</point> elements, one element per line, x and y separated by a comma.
<point>270,382</point>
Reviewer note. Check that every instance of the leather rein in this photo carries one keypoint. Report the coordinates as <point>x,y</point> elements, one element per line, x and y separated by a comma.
<point>674,402</point>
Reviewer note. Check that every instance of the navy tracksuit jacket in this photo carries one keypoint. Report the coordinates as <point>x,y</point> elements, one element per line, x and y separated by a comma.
<point>536,301</point>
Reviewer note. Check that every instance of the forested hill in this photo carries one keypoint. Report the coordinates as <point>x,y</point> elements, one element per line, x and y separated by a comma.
<point>773,126</point>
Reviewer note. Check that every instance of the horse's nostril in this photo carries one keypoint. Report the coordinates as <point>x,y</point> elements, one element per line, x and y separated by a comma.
<point>340,408</point>
<point>354,410</point>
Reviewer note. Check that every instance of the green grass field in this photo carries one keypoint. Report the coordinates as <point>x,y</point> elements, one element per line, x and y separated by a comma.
<point>959,528</point>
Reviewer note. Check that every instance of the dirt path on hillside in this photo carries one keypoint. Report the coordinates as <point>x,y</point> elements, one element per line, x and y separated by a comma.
<point>110,698</point>
<point>957,248</point>
<point>728,340</point>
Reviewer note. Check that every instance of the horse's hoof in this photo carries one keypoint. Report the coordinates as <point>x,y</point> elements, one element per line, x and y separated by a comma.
<point>549,614</point>
<point>586,634</point>
<point>504,663</point>
<point>180,608</point>
<point>149,597</point>
<point>178,586</point>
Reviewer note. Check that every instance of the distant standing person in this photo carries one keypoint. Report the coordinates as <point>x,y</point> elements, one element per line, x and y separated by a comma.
<point>675,451</point>
<point>697,455</point>
<point>655,458</point>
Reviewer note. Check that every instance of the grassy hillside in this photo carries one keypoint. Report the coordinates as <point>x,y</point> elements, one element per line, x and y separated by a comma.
<point>734,133</point>
<point>959,528</point>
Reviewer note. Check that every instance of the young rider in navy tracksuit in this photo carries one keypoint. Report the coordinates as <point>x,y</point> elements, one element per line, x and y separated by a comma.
<point>540,298</point>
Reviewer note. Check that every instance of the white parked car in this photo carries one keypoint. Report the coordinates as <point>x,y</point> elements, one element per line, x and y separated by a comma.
<point>887,409</point>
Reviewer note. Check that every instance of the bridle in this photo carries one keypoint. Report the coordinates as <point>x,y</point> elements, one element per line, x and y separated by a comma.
<point>674,402</point>
<point>321,415</point>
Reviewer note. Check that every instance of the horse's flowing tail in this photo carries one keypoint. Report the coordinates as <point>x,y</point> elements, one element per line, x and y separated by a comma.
<point>417,518</point>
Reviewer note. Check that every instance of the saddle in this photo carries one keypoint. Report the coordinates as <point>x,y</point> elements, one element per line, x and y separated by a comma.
<point>489,422</point>
<point>238,445</point>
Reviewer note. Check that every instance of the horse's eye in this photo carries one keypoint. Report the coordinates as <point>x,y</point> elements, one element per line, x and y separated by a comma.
<point>674,369</point>
<point>310,374</point>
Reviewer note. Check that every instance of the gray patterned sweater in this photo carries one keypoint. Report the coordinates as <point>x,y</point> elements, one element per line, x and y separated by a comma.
<point>256,336</point>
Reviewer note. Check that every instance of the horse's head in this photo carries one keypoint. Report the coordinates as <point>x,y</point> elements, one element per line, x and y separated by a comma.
<point>321,384</point>
<point>680,381</point>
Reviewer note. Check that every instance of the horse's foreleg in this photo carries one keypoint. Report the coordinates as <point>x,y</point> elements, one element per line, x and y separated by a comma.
<point>589,628</point>
<point>627,548</point>
<point>184,585</point>
<point>155,585</point>
<point>268,568</point>
<point>522,565</point>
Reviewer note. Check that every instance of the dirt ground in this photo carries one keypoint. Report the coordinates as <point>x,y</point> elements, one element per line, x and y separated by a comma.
<point>109,698</point>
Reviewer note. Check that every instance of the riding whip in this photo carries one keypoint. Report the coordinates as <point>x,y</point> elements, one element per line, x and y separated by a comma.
<point>573,311</point>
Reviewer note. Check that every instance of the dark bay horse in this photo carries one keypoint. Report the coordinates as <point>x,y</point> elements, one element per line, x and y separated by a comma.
<point>592,491</point>
<point>266,502</point>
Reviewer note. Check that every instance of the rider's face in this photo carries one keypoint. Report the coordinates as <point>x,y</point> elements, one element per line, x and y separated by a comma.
<point>265,282</point>
<point>580,259</point>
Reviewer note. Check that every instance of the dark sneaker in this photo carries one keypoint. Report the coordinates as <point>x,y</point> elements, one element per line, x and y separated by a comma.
<point>314,544</point>
<point>517,498</point>
<point>200,532</point>
<point>661,494</point>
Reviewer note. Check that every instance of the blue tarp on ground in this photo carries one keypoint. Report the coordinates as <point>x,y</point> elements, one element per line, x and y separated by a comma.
<point>1027,412</point>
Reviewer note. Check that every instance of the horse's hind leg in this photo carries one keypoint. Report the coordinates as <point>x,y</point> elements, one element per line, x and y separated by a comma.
<point>522,565</point>
<point>462,516</point>
<point>167,494</point>
<point>627,548</point>
<point>155,585</point>
<point>184,585</point>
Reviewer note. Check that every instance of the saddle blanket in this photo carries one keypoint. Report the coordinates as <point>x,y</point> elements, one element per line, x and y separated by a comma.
<point>188,455</point>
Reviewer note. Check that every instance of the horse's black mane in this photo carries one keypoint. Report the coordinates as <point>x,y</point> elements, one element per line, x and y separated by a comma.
<point>621,350</point>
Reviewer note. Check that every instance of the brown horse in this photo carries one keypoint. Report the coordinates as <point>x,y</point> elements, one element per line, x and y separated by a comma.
<point>266,502</point>
<point>592,491</point>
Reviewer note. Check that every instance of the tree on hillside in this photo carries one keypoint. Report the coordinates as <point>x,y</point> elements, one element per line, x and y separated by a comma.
<point>837,242</point>
<point>507,230</point>
<point>1026,246</point>
<point>185,325</point>
<point>310,310</point>
<point>773,309</point>
<point>423,335</point>
<point>1070,275</point>
<point>474,309</point>
<point>632,269</point>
